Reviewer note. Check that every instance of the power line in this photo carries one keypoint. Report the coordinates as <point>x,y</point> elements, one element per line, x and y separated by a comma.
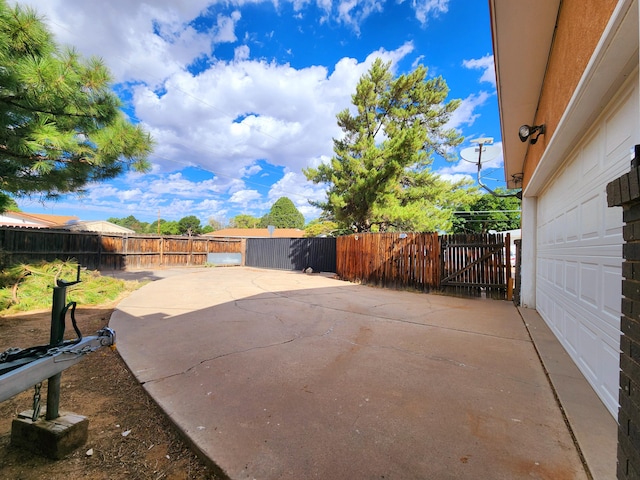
<point>485,211</point>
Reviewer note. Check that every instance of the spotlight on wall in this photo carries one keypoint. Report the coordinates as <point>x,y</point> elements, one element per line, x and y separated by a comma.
<point>517,178</point>
<point>527,131</point>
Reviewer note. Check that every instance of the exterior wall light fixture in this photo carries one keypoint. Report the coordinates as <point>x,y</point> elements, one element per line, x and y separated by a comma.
<point>517,178</point>
<point>527,131</point>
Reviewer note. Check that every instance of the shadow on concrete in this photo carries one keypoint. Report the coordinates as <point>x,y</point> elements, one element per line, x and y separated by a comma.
<point>285,375</point>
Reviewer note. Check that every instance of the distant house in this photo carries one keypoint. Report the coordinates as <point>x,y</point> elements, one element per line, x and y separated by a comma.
<point>34,220</point>
<point>257,233</point>
<point>99,226</point>
<point>61,222</point>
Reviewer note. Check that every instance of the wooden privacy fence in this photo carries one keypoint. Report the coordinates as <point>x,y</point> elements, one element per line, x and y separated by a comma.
<point>99,251</point>
<point>397,260</point>
<point>475,264</point>
<point>469,265</point>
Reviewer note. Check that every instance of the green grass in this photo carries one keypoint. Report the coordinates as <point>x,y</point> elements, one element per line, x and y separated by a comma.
<point>30,286</point>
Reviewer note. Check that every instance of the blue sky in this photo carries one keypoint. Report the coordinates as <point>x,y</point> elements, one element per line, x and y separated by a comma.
<point>241,95</point>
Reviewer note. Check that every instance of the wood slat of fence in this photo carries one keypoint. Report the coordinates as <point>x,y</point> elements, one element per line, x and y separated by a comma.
<point>109,251</point>
<point>390,260</point>
<point>475,263</point>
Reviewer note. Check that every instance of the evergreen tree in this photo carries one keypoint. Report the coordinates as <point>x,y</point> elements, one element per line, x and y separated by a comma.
<point>379,178</point>
<point>8,204</point>
<point>61,126</point>
<point>283,214</point>
<point>190,225</point>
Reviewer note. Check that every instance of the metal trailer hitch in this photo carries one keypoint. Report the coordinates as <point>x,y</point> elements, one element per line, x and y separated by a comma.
<point>21,369</point>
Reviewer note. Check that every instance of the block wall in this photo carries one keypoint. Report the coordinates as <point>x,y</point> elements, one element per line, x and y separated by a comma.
<point>625,192</point>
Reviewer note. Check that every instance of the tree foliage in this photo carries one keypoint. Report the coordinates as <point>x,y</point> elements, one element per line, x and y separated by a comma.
<point>379,178</point>
<point>244,221</point>
<point>169,227</point>
<point>214,224</point>
<point>190,225</point>
<point>318,227</point>
<point>61,126</point>
<point>485,212</point>
<point>283,214</point>
<point>187,225</point>
<point>131,222</point>
<point>8,203</point>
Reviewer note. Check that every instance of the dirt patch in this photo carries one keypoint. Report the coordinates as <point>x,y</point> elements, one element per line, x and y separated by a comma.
<point>101,388</point>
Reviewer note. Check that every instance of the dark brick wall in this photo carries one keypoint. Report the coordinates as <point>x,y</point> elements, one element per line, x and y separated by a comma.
<point>625,192</point>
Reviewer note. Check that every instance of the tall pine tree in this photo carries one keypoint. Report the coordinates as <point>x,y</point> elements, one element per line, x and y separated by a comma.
<point>61,126</point>
<point>284,214</point>
<point>380,177</point>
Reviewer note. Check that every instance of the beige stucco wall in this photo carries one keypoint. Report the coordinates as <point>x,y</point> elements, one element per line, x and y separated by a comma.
<point>579,28</point>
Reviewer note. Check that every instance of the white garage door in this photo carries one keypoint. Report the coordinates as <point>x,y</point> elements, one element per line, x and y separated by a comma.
<point>579,247</point>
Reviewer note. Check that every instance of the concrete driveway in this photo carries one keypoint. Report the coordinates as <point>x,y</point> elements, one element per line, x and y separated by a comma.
<point>283,375</point>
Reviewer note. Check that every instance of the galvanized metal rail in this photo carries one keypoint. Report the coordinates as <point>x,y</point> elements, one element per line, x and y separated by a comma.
<point>22,369</point>
<point>23,373</point>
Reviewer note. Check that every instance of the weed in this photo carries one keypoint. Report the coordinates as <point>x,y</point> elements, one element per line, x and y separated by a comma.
<point>27,287</point>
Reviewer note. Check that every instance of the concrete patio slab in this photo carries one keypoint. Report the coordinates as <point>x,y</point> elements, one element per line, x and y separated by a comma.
<point>283,375</point>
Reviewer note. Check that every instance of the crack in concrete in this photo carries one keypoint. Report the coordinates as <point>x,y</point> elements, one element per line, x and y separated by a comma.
<point>223,355</point>
<point>297,299</point>
<point>437,358</point>
<point>237,352</point>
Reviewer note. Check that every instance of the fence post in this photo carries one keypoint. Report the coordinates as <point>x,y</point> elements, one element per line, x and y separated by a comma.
<point>125,251</point>
<point>507,251</point>
<point>99,266</point>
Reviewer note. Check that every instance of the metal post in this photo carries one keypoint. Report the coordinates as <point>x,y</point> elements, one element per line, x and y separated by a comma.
<point>55,339</point>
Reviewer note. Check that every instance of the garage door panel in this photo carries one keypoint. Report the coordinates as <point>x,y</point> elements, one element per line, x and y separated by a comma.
<point>571,278</point>
<point>592,348</point>
<point>612,296</point>
<point>589,217</point>
<point>579,244</point>
<point>558,320</point>
<point>589,276</point>
<point>559,273</point>
<point>555,300</point>
<point>609,373</point>
<point>571,332</point>
<point>618,134</point>
<point>588,342</point>
<point>591,155</point>
<point>572,224</point>
<point>590,250</point>
<point>559,228</point>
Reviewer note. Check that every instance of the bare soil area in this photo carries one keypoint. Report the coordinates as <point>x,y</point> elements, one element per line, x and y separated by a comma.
<point>129,436</point>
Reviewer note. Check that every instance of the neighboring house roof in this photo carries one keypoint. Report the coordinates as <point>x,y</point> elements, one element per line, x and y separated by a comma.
<point>34,220</point>
<point>257,233</point>
<point>100,226</point>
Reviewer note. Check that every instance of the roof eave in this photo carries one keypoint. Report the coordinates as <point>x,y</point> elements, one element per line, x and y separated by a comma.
<point>522,35</point>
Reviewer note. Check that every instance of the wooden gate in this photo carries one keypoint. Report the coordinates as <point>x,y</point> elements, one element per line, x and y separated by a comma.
<point>475,265</point>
